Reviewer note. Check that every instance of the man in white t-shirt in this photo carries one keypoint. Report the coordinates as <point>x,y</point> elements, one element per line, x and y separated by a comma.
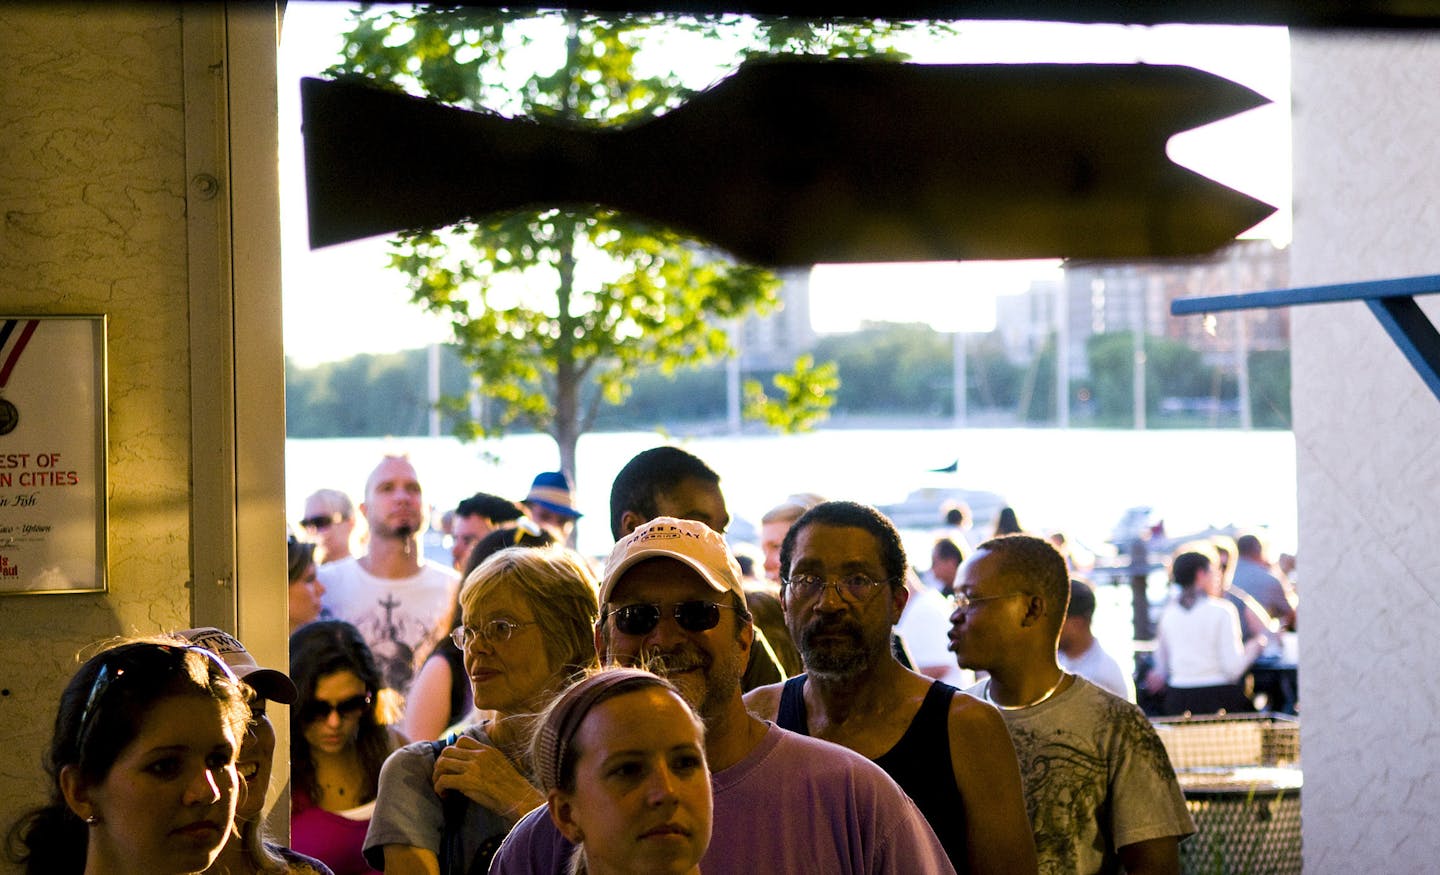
<point>945,559</point>
<point>924,627</point>
<point>1081,654</point>
<point>401,603</point>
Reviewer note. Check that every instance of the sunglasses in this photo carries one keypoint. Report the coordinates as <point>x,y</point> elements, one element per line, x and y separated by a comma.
<point>693,616</point>
<point>140,660</point>
<point>321,523</point>
<point>319,710</point>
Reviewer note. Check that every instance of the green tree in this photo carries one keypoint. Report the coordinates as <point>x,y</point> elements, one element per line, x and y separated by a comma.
<point>1172,369</point>
<point>559,311</point>
<point>1037,402</point>
<point>1270,388</point>
<point>806,394</point>
<point>891,368</point>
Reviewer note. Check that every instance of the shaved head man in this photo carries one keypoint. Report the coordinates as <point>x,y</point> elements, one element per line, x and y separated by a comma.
<point>400,602</point>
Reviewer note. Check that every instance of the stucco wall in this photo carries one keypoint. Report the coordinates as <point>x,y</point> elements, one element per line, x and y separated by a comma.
<point>92,195</point>
<point>1367,206</point>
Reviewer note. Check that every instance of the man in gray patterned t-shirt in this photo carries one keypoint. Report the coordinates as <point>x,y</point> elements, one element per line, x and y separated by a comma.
<point>1099,787</point>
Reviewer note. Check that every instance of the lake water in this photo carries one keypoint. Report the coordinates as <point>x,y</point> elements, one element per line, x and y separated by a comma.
<point>1078,481</point>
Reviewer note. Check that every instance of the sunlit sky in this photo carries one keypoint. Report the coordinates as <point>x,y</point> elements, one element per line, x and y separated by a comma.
<point>343,300</point>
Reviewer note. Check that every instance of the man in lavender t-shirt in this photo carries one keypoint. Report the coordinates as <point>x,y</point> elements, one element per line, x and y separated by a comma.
<point>783,802</point>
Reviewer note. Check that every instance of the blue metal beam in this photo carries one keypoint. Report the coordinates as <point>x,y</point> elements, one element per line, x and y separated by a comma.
<point>1392,302</point>
<point>1415,285</point>
<point>1408,326</point>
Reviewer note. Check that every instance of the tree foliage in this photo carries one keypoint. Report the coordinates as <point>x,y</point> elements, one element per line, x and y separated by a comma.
<point>805,397</point>
<point>560,311</point>
<point>1270,388</point>
<point>1172,369</point>
<point>908,380</point>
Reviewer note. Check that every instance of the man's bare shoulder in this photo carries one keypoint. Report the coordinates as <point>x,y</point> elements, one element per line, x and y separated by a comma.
<point>971,717</point>
<point>764,702</point>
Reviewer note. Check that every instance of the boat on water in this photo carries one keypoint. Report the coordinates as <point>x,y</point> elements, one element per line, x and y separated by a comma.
<point>925,508</point>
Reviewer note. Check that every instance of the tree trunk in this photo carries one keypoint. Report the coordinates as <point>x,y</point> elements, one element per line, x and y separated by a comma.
<point>566,428</point>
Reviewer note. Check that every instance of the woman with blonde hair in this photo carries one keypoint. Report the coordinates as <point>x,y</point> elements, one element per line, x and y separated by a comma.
<point>440,698</point>
<point>527,629</point>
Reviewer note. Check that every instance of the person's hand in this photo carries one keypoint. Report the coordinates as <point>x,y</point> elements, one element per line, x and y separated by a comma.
<point>486,776</point>
<point>1155,681</point>
<point>1256,645</point>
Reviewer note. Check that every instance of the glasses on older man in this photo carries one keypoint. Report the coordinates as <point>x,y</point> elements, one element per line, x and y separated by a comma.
<point>852,586</point>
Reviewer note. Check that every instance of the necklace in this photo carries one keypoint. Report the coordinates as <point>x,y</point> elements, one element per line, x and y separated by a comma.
<point>1043,696</point>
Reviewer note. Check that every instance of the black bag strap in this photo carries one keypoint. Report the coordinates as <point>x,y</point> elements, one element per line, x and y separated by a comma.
<point>452,860</point>
<point>452,845</point>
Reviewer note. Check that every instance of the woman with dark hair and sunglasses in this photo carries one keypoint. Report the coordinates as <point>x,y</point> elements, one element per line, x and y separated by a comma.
<point>528,620</point>
<point>142,765</point>
<point>339,739</point>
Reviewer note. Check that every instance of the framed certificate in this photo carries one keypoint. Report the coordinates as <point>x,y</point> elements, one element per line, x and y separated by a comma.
<point>52,454</point>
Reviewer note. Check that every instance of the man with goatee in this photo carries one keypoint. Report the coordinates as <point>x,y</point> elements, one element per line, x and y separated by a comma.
<point>399,601</point>
<point>842,586</point>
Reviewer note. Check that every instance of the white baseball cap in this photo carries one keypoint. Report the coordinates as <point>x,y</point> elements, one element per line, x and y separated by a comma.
<point>687,541</point>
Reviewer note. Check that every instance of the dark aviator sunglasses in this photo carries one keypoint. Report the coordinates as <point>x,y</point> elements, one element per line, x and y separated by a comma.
<point>692,616</point>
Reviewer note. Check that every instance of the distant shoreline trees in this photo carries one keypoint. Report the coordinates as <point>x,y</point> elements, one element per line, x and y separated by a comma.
<point>896,373</point>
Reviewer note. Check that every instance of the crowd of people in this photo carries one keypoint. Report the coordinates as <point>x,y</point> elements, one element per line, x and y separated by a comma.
<point>523,709</point>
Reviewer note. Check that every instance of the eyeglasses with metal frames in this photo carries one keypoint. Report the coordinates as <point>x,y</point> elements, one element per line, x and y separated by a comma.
<point>852,586</point>
<point>496,631</point>
<point>964,602</point>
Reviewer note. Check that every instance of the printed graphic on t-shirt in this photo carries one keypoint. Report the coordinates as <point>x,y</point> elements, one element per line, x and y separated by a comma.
<point>397,640</point>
